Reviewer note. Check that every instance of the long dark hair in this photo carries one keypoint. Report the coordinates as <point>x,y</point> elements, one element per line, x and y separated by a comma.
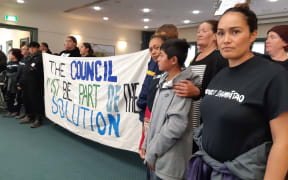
<point>88,45</point>
<point>46,45</point>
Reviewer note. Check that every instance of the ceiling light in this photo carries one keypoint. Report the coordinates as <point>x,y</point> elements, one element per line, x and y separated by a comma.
<point>97,8</point>
<point>146,10</point>
<point>146,27</point>
<point>105,18</point>
<point>273,0</point>
<point>226,4</point>
<point>20,1</point>
<point>187,21</point>
<point>196,12</point>
<point>146,20</point>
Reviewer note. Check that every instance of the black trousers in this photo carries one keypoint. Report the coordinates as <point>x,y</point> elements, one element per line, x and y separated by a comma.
<point>12,102</point>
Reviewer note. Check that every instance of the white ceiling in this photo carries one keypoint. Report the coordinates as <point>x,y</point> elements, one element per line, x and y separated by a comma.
<point>128,14</point>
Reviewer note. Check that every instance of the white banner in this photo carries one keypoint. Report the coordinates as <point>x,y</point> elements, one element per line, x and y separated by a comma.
<point>96,97</point>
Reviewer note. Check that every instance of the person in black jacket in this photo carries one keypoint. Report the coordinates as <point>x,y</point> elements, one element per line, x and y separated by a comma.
<point>3,61</point>
<point>3,66</point>
<point>33,86</point>
<point>13,105</point>
<point>25,53</point>
<point>71,49</point>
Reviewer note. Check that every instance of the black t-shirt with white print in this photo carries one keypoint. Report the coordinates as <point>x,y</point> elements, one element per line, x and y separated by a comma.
<point>238,106</point>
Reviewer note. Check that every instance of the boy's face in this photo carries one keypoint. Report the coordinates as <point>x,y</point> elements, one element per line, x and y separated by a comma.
<point>164,63</point>
<point>33,50</point>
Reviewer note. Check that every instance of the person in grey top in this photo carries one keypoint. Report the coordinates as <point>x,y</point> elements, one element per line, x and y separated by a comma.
<point>168,142</point>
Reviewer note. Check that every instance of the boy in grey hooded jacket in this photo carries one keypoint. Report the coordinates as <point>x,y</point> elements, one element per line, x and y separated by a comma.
<point>168,142</point>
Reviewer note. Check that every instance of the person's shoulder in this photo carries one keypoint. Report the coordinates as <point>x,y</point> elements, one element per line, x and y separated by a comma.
<point>215,57</point>
<point>186,74</point>
<point>64,51</point>
<point>75,53</point>
<point>38,54</point>
<point>266,66</point>
<point>265,61</point>
<point>162,77</point>
<point>216,54</point>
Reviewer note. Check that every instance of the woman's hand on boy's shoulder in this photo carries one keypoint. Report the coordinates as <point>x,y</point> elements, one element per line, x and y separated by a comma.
<point>185,88</point>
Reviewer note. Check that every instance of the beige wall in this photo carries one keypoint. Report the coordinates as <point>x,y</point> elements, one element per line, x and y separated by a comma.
<point>53,28</point>
<point>190,33</point>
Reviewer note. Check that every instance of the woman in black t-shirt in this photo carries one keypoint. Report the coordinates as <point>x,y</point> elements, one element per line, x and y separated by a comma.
<point>206,64</point>
<point>277,44</point>
<point>244,111</point>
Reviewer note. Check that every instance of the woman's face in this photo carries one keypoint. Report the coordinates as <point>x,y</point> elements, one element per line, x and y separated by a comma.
<point>83,50</point>
<point>43,48</point>
<point>234,37</point>
<point>274,43</point>
<point>12,57</point>
<point>154,48</point>
<point>205,35</point>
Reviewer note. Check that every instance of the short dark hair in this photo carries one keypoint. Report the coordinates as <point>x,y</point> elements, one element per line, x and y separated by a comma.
<point>244,9</point>
<point>176,47</point>
<point>17,53</point>
<point>34,44</point>
<point>73,39</point>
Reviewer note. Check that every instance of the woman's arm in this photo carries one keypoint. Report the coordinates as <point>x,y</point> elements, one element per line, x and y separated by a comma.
<point>277,165</point>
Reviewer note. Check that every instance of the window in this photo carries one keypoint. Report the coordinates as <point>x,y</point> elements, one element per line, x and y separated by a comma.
<point>259,46</point>
<point>191,53</point>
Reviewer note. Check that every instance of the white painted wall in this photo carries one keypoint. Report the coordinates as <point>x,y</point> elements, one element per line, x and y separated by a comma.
<point>53,29</point>
<point>14,35</point>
